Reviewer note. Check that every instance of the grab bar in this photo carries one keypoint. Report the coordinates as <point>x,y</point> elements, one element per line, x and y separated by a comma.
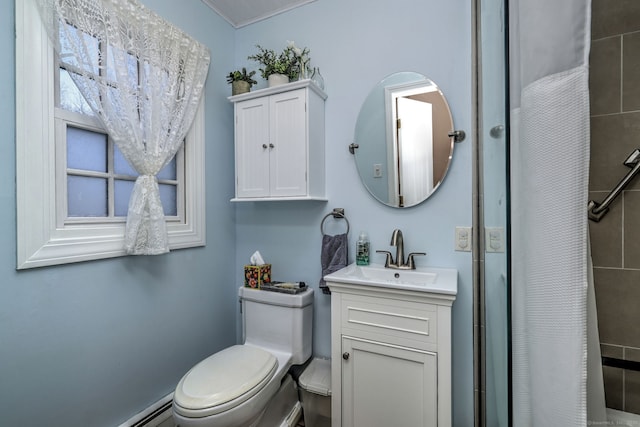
<point>613,362</point>
<point>598,210</point>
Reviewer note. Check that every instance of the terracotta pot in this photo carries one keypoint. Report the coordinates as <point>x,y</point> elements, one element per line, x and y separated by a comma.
<point>240,86</point>
<point>277,79</point>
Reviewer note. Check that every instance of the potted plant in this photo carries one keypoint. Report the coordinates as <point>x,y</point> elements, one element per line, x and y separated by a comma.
<point>277,68</point>
<point>240,81</point>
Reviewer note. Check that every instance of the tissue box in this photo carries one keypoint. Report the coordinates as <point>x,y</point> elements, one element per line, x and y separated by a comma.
<point>257,275</point>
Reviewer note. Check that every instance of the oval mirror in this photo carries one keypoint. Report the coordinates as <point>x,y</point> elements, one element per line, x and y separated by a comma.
<point>402,145</point>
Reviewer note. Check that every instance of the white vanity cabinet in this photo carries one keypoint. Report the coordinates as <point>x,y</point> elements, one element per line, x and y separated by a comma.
<point>391,356</point>
<point>279,143</point>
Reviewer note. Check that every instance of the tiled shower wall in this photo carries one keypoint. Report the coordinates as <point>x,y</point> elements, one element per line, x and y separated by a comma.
<point>615,240</point>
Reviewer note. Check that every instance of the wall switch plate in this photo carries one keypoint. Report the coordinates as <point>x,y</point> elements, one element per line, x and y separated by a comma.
<point>463,239</point>
<point>494,239</point>
<point>377,170</point>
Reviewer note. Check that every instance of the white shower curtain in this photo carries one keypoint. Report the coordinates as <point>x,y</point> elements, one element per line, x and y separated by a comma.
<point>549,51</point>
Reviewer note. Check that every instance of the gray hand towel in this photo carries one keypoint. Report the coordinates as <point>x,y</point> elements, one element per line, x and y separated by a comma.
<point>333,256</point>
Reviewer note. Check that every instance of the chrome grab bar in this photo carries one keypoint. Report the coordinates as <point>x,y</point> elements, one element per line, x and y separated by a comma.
<point>598,210</point>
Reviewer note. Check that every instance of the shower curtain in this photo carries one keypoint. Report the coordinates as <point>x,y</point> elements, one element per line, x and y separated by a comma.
<point>549,99</point>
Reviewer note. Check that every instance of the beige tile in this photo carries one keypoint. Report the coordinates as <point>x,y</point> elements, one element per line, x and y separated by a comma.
<point>611,17</point>
<point>613,388</point>
<point>631,234</point>
<point>604,75</point>
<point>632,354</point>
<point>613,138</point>
<point>606,235</point>
<point>632,391</point>
<point>617,294</point>
<point>631,72</point>
<point>615,351</point>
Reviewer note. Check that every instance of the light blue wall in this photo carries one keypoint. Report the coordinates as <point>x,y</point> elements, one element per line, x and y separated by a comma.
<point>356,44</point>
<point>94,343</point>
<point>91,344</point>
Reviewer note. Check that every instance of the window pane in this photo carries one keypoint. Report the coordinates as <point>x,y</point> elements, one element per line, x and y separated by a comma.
<point>70,97</point>
<point>73,42</point>
<point>118,59</point>
<point>168,195</point>
<point>120,165</point>
<point>87,197</point>
<point>86,149</point>
<point>122,196</point>
<point>169,171</point>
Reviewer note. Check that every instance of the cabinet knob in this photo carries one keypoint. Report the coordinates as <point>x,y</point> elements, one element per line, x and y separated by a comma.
<point>271,145</point>
<point>345,355</point>
<point>264,146</point>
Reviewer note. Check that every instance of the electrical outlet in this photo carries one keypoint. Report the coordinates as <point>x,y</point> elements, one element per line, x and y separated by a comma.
<point>463,239</point>
<point>494,239</point>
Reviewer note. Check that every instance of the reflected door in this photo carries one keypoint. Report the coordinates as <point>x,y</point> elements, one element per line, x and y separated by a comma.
<point>415,149</point>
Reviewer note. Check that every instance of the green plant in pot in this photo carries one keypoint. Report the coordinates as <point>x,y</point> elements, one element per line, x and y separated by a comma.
<point>285,64</point>
<point>241,81</point>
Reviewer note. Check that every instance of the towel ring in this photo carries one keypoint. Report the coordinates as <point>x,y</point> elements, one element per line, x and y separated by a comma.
<point>337,213</point>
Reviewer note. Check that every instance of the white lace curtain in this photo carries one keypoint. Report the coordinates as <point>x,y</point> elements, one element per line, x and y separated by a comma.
<point>143,78</point>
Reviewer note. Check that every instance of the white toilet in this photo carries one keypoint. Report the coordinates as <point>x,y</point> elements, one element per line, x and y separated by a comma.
<point>238,385</point>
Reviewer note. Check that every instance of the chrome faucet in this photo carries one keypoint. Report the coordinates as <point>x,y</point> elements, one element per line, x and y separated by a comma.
<point>398,241</point>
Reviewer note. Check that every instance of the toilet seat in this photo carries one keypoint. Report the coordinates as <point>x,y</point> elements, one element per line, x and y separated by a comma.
<point>224,380</point>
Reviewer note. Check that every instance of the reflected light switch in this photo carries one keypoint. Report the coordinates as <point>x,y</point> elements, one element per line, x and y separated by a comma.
<point>377,170</point>
<point>494,239</point>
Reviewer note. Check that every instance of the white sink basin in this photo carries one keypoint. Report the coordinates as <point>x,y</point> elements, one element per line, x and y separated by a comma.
<point>427,279</point>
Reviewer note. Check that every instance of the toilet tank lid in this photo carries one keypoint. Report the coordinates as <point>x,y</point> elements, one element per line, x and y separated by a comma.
<point>316,378</point>
<point>301,299</point>
<point>225,376</point>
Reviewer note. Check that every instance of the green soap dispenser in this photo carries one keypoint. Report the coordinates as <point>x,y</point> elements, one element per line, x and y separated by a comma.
<point>362,249</point>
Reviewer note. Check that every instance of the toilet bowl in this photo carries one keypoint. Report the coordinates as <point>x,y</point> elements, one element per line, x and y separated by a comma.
<point>235,386</point>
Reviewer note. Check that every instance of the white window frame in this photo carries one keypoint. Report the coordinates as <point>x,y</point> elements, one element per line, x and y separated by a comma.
<point>41,241</point>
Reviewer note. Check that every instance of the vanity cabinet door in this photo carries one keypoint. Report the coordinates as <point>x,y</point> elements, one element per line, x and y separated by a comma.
<point>387,385</point>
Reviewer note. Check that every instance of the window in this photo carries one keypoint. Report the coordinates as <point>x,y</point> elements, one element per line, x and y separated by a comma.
<point>72,182</point>
<point>98,179</point>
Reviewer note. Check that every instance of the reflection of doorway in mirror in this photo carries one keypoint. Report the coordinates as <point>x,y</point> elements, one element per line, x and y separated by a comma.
<point>415,149</point>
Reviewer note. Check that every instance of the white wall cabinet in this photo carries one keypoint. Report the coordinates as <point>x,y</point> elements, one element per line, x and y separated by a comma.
<point>279,143</point>
<point>391,357</point>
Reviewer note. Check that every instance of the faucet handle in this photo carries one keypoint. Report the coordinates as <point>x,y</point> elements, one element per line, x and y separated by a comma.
<point>388,261</point>
<point>410,261</point>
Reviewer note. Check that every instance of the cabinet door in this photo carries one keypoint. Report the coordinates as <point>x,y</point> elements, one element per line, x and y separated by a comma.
<point>289,138</point>
<point>252,148</point>
<point>385,385</point>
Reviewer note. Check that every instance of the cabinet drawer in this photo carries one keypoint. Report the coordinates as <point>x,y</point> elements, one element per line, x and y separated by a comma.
<point>402,319</point>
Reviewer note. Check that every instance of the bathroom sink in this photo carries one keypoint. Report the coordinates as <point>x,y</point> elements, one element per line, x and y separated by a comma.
<point>426,279</point>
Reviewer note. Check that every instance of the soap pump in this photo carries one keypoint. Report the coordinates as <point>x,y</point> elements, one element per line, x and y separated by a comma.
<point>362,249</point>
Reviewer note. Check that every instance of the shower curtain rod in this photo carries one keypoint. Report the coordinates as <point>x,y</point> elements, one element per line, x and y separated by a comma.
<point>598,210</point>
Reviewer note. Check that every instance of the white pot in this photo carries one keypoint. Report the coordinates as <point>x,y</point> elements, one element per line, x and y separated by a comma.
<point>277,79</point>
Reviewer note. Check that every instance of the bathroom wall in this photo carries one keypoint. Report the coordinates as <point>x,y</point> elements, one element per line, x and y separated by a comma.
<point>91,344</point>
<point>356,44</point>
<point>615,241</point>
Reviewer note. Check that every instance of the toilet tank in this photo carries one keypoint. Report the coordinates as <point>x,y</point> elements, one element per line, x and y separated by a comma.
<point>279,321</point>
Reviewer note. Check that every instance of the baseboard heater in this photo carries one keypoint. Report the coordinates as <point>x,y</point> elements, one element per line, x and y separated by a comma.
<point>153,415</point>
<point>620,363</point>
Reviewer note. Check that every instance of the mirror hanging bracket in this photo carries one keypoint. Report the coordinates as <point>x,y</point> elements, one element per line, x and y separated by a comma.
<point>457,135</point>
